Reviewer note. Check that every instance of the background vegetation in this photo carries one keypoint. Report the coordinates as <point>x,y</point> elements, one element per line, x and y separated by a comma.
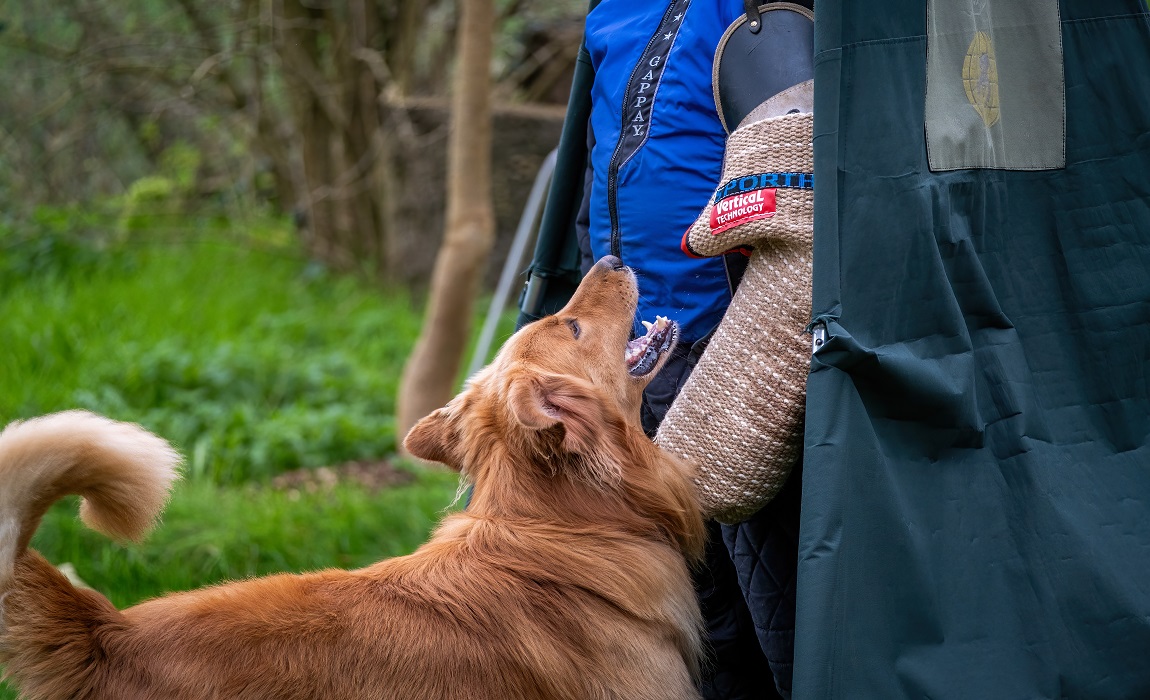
<point>208,217</point>
<point>302,104</point>
<point>255,361</point>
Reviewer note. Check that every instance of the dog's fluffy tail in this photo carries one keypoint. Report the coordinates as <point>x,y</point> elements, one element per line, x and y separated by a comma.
<point>123,472</point>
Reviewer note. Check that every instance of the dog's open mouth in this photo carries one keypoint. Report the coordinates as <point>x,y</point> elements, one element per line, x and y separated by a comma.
<point>643,352</point>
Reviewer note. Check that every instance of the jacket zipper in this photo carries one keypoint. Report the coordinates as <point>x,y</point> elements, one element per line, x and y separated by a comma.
<point>639,99</point>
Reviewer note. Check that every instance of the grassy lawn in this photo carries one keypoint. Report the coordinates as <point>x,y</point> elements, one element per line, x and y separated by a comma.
<point>248,359</point>
<point>251,360</point>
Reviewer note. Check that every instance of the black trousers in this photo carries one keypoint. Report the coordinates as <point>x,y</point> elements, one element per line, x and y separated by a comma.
<point>751,646</point>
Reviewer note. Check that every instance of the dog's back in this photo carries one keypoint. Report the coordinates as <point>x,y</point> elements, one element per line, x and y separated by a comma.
<point>566,578</point>
<point>510,605</point>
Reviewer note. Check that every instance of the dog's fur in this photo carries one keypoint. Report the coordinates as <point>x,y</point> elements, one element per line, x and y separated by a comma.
<point>565,577</point>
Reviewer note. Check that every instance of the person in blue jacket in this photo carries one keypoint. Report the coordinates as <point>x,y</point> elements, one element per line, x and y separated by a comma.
<point>655,146</point>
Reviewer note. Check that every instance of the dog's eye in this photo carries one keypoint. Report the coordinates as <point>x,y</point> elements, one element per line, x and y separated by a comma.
<point>575,329</point>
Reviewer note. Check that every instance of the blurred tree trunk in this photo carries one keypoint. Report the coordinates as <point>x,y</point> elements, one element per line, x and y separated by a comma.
<point>307,86</point>
<point>429,377</point>
<point>336,103</point>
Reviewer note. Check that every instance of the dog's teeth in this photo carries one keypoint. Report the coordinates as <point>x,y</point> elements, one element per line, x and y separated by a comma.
<point>648,325</point>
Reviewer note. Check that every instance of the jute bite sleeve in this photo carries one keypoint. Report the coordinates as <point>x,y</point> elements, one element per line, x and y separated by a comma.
<point>739,417</point>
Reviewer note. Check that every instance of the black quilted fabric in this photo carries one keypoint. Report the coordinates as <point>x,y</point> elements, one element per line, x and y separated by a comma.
<point>737,571</point>
<point>764,550</point>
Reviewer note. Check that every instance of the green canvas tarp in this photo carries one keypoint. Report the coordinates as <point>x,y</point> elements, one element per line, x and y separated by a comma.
<point>976,493</point>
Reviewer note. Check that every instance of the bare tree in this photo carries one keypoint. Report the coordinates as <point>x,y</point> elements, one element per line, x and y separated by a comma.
<point>307,87</point>
<point>429,376</point>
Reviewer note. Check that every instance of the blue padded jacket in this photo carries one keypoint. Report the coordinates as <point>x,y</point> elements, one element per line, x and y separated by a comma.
<point>657,150</point>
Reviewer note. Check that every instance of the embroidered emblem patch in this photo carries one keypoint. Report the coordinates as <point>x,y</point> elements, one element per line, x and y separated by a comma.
<point>980,78</point>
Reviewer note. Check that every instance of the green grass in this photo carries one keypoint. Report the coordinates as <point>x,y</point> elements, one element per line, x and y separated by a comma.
<point>250,359</point>
<point>210,534</point>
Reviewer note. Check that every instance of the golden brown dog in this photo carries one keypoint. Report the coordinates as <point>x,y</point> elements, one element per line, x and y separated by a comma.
<point>565,577</point>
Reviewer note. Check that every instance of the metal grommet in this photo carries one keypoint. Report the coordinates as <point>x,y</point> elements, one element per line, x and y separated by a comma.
<point>819,331</point>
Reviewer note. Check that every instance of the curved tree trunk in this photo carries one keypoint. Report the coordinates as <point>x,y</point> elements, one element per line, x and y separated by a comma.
<point>429,377</point>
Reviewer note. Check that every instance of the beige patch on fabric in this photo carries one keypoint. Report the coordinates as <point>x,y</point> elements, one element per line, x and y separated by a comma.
<point>995,85</point>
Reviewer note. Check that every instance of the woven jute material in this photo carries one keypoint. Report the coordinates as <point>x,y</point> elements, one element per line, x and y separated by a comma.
<point>770,154</point>
<point>739,417</point>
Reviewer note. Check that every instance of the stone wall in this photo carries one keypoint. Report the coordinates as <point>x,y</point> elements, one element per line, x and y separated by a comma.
<point>522,138</point>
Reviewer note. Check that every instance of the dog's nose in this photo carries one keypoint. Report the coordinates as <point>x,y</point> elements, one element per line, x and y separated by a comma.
<point>612,261</point>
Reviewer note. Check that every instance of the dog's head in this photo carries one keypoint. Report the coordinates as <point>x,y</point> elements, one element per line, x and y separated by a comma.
<point>557,411</point>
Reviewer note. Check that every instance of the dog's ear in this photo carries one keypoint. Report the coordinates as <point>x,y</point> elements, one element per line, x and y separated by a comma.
<point>432,438</point>
<point>546,400</point>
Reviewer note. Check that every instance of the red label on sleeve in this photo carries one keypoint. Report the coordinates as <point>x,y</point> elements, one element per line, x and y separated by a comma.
<point>742,208</point>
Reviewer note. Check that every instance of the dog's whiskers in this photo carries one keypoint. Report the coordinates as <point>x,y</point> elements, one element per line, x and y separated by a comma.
<point>460,492</point>
<point>3,625</point>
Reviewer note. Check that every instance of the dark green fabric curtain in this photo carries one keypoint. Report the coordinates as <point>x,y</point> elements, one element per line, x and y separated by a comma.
<point>976,494</point>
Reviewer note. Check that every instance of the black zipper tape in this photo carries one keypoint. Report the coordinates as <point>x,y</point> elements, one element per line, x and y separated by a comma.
<point>638,100</point>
